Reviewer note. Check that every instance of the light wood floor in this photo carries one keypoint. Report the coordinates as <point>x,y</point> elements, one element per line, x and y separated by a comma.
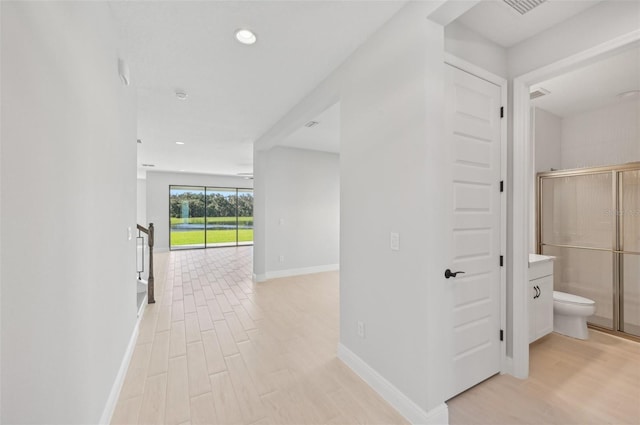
<point>570,382</point>
<point>218,349</point>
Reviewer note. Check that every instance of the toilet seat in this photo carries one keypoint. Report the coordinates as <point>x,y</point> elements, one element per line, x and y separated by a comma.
<point>565,298</point>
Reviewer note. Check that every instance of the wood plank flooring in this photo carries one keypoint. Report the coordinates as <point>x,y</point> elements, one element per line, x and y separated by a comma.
<point>570,382</point>
<point>218,349</point>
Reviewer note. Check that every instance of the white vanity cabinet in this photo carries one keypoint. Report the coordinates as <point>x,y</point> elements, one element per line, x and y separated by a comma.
<point>540,296</point>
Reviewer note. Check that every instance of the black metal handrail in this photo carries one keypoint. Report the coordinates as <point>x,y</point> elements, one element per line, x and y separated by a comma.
<point>150,281</point>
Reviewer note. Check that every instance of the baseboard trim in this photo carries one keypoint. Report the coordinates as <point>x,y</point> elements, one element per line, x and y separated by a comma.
<point>296,272</point>
<point>110,407</point>
<point>405,406</point>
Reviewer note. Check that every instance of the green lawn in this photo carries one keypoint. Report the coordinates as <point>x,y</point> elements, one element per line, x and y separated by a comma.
<point>196,237</point>
<point>200,220</point>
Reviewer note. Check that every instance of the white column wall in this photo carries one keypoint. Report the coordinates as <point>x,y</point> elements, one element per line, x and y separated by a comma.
<point>68,197</point>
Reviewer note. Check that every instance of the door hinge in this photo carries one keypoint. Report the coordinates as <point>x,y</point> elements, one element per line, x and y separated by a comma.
<point>501,186</point>
<point>501,335</point>
<point>502,112</point>
<point>501,260</point>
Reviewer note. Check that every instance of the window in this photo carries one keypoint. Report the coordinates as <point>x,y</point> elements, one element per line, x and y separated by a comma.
<point>210,217</point>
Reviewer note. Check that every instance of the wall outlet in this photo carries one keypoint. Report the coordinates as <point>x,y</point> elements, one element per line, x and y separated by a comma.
<point>394,241</point>
<point>281,258</point>
<point>361,329</point>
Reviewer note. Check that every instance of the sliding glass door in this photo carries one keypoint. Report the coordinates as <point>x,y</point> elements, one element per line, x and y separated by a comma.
<point>245,217</point>
<point>222,217</point>
<point>210,217</point>
<point>187,217</point>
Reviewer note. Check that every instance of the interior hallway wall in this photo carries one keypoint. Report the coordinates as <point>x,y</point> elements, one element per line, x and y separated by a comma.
<point>158,183</point>
<point>300,192</point>
<point>68,198</point>
<point>141,202</point>
<point>391,166</point>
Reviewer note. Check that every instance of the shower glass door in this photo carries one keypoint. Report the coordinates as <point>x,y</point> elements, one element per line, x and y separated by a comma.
<point>629,222</point>
<point>577,227</point>
<point>589,219</point>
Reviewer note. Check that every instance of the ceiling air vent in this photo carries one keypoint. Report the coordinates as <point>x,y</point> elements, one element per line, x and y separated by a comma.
<point>524,6</point>
<point>539,92</point>
<point>311,124</point>
<point>148,165</point>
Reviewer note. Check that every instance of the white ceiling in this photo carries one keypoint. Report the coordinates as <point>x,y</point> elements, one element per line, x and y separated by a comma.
<point>503,25</point>
<point>325,136</point>
<point>593,86</point>
<point>235,92</point>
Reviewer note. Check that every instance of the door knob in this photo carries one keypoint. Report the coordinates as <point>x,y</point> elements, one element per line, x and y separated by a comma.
<point>448,273</point>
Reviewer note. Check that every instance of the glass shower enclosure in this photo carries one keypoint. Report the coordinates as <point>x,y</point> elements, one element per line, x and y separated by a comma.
<point>589,219</point>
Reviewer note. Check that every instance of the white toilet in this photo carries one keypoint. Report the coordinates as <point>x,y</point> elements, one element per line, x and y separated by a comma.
<point>570,314</point>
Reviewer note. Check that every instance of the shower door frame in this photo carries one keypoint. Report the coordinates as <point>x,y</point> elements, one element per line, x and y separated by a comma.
<point>617,251</point>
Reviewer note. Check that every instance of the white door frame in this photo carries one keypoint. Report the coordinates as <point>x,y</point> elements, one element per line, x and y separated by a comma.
<point>502,83</point>
<point>523,177</point>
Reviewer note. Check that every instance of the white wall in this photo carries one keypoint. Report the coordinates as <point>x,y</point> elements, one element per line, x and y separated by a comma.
<point>391,167</point>
<point>604,136</point>
<point>301,192</point>
<point>68,196</point>
<point>158,197</point>
<point>466,44</point>
<point>141,202</point>
<point>547,139</point>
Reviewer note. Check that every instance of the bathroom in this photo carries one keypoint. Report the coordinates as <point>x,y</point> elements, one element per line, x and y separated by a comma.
<point>586,196</point>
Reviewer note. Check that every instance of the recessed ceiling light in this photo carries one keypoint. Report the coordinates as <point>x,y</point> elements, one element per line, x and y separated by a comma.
<point>140,141</point>
<point>630,93</point>
<point>246,36</point>
<point>182,170</point>
<point>181,95</point>
<point>179,143</point>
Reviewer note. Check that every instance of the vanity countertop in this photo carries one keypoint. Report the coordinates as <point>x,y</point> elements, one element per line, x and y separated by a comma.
<point>536,258</point>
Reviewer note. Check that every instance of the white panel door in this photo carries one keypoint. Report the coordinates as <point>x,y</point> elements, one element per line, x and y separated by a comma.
<point>473,131</point>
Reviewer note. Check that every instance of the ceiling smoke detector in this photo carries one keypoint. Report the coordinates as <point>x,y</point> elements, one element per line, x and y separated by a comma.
<point>311,124</point>
<point>524,6</point>
<point>539,92</point>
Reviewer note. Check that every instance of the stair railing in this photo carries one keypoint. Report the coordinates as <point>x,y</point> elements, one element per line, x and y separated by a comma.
<point>150,281</point>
